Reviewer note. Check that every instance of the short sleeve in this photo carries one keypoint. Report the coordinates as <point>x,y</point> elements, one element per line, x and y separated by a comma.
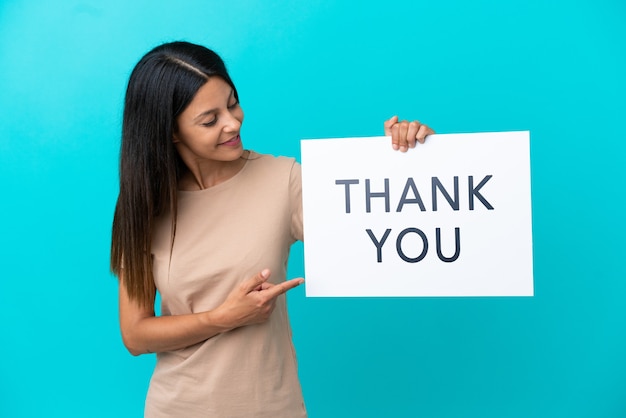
<point>295,195</point>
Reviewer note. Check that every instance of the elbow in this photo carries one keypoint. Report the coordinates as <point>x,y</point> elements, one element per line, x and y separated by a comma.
<point>132,345</point>
<point>135,352</point>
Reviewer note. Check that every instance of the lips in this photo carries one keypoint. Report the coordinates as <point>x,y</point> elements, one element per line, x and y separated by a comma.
<point>234,141</point>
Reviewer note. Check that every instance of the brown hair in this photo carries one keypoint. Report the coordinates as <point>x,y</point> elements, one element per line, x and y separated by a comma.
<point>160,87</point>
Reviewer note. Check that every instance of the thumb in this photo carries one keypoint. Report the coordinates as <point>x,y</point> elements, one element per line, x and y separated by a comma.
<point>257,280</point>
<point>389,123</point>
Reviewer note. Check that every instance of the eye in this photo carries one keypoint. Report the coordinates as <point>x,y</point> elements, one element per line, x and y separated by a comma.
<point>234,104</point>
<point>210,123</point>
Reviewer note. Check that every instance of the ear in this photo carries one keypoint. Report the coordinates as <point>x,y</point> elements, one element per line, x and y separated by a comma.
<point>175,138</point>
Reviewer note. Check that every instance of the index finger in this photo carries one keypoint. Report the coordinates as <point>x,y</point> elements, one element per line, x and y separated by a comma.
<point>423,132</point>
<point>285,286</point>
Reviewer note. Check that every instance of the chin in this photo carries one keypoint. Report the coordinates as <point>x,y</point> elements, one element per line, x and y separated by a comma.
<point>234,154</point>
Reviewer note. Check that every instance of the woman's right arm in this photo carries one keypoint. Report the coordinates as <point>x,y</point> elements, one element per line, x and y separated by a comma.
<point>252,302</point>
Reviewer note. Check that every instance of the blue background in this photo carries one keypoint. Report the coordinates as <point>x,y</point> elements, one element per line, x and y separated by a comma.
<point>326,69</point>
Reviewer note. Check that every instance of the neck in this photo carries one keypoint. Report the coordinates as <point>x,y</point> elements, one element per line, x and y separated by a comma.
<point>202,176</point>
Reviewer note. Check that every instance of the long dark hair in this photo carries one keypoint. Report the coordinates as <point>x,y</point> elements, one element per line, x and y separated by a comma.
<point>161,86</point>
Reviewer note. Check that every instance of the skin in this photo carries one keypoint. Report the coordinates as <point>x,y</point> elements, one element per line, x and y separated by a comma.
<point>208,138</point>
<point>405,134</point>
<point>208,142</point>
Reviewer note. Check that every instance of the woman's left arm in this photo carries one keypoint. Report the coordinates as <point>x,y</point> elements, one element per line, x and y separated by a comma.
<point>405,134</point>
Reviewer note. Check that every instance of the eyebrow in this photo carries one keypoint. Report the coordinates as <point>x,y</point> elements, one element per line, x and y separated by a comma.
<point>208,112</point>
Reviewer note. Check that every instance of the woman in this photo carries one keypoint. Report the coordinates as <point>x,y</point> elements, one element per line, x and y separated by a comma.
<point>209,225</point>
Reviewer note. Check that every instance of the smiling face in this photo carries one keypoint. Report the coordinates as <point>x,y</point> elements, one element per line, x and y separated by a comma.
<point>208,129</point>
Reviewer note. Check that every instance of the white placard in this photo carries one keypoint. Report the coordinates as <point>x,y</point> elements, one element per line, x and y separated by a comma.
<point>451,217</point>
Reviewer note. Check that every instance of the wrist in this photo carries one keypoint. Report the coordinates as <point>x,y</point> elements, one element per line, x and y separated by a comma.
<point>216,320</point>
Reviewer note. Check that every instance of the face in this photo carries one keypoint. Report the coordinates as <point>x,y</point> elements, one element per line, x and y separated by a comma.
<point>208,129</point>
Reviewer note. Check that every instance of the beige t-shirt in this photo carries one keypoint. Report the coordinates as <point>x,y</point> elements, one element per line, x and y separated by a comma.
<point>225,235</point>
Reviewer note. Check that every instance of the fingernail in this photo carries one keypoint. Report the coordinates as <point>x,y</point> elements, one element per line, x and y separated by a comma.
<point>395,147</point>
<point>265,273</point>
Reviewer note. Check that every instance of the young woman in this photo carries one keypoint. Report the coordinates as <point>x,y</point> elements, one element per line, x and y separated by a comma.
<point>209,224</point>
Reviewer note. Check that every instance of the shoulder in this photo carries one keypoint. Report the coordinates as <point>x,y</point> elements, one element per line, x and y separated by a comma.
<point>268,162</point>
<point>277,172</point>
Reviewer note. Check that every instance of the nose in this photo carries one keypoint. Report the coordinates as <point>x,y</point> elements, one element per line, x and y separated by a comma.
<point>232,123</point>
